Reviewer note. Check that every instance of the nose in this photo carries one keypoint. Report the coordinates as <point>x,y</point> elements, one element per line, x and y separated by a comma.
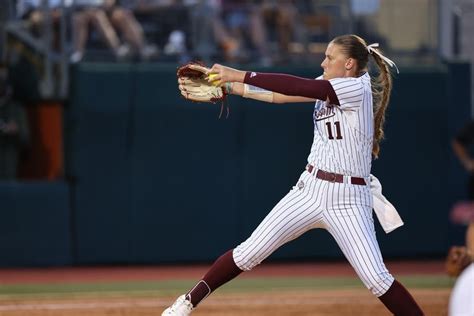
<point>323,63</point>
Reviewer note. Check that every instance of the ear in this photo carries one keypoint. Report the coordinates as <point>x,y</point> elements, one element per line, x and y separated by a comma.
<point>349,63</point>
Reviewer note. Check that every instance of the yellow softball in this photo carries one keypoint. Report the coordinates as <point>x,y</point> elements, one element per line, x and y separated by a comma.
<point>211,79</point>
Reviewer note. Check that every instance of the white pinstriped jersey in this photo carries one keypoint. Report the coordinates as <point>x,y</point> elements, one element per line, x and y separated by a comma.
<point>343,134</point>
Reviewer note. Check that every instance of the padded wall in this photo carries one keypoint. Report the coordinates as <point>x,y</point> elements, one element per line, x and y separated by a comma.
<point>99,162</point>
<point>35,224</point>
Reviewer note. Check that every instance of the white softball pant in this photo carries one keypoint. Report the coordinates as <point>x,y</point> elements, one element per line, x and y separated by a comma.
<point>344,210</point>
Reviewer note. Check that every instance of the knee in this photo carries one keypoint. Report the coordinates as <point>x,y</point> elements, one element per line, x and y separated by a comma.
<point>120,15</point>
<point>117,16</point>
<point>246,259</point>
<point>380,283</point>
<point>97,16</point>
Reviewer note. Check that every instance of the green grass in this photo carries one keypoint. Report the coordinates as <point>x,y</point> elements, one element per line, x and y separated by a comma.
<point>172,287</point>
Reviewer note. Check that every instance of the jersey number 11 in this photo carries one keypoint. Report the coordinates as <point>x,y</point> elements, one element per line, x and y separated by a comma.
<point>338,130</point>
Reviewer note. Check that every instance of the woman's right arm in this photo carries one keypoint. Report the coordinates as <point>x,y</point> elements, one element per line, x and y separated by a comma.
<point>285,84</point>
<point>239,89</point>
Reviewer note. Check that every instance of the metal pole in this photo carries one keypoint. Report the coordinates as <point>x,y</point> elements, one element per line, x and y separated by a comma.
<point>4,15</point>
<point>64,61</point>
<point>46,85</point>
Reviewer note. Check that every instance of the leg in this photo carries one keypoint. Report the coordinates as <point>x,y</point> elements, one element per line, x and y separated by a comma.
<point>102,24</point>
<point>295,214</point>
<point>127,24</point>
<point>353,230</point>
<point>400,302</point>
<point>229,45</point>
<point>222,271</point>
<point>258,33</point>
<point>286,16</point>
<point>80,28</point>
<point>299,211</point>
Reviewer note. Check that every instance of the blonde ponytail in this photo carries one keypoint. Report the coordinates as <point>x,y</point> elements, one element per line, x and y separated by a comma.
<point>356,47</point>
<point>381,89</point>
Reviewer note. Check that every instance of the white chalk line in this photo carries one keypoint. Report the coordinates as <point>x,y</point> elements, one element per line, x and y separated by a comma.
<point>156,303</point>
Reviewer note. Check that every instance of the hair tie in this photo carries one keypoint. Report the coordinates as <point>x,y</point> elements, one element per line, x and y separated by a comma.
<point>371,49</point>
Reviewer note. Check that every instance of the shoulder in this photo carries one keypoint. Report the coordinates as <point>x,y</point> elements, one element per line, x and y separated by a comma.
<point>356,82</point>
<point>350,91</point>
<point>347,86</point>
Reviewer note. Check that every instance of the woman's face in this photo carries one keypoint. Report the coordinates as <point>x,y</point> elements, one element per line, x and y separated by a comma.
<point>334,65</point>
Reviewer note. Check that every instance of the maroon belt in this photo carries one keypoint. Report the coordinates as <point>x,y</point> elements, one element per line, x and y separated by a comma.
<point>334,177</point>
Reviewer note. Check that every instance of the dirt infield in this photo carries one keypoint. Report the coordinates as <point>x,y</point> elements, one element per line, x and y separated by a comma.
<point>95,274</point>
<point>272,289</point>
<point>334,302</point>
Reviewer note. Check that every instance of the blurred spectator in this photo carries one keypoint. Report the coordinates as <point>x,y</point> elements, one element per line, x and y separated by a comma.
<point>108,17</point>
<point>463,214</point>
<point>209,34</point>
<point>14,130</point>
<point>258,23</point>
<point>363,15</point>
<point>245,22</point>
<point>165,21</point>
<point>181,26</point>
<point>33,12</point>
<point>461,146</point>
<point>282,21</point>
<point>459,257</point>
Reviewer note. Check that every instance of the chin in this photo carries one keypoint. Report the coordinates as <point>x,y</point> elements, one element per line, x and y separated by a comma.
<point>328,76</point>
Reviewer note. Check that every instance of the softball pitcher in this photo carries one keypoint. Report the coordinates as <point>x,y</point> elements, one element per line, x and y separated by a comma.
<point>333,192</point>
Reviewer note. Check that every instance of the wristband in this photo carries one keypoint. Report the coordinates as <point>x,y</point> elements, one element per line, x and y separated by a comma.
<point>228,87</point>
